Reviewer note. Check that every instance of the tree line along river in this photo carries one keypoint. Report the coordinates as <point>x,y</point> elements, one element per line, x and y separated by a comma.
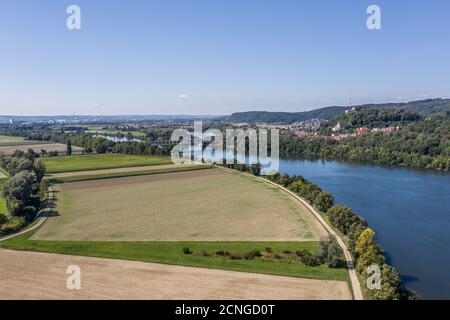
<point>408,209</point>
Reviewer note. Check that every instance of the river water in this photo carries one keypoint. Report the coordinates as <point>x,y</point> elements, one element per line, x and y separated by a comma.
<point>408,209</point>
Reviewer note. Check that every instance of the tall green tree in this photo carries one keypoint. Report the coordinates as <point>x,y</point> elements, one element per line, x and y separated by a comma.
<point>69,148</point>
<point>367,251</point>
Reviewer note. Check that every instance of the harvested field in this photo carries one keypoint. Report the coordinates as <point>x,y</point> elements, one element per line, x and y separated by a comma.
<point>9,143</point>
<point>196,205</point>
<point>31,275</point>
<point>9,150</point>
<point>101,161</point>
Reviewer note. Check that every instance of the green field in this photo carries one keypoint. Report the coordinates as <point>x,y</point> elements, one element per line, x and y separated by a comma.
<point>10,138</point>
<point>90,175</point>
<point>3,179</point>
<point>172,253</point>
<point>2,200</point>
<point>100,161</point>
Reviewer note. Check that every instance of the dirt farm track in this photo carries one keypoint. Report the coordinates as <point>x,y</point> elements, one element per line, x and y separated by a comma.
<point>32,275</point>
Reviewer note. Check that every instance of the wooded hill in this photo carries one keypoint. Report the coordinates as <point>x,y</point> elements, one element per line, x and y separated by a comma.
<point>370,118</point>
<point>422,107</point>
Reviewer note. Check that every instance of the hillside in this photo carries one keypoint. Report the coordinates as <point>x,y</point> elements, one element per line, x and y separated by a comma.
<point>419,143</point>
<point>370,118</point>
<point>422,107</point>
<point>284,117</point>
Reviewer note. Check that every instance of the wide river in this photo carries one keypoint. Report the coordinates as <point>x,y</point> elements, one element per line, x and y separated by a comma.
<point>408,209</point>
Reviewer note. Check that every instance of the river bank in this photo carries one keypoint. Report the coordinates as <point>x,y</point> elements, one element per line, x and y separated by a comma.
<point>408,209</point>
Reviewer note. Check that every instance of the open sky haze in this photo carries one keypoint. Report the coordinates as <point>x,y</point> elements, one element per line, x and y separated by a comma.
<point>218,57</point>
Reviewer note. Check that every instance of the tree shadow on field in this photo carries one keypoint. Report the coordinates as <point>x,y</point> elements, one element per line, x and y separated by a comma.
<point>52,206</point>
<point>53,213</point>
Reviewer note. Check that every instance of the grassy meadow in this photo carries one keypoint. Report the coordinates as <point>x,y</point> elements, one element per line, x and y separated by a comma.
<point>10,138</point>
<point>100,161</point>
<point>2,200</point>
<point>101,174</point>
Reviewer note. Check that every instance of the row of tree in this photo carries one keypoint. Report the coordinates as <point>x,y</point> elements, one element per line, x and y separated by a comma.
<point>306,189</point>
<point>367,252</point>
<point>24,191</point>
<point>97,144</point>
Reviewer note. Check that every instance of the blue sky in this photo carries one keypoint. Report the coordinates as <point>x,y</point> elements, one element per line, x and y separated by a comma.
<point>218,57</point>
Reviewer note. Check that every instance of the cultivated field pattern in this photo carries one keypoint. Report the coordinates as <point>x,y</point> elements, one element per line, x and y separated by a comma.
<point>208,204</point>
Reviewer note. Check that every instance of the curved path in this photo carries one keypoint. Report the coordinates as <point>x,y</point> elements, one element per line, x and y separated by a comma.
<point>356,286</point>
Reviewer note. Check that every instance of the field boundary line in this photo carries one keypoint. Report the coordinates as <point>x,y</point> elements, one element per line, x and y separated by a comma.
<point>36,225</point>
<point>124,174</point>
<point>356,286</point>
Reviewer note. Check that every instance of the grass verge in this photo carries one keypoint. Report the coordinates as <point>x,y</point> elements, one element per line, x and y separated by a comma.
<point>3,179</point>
<point>127,174</point>
<point>100,161</point>
<point>172,253</point>
<point>2,199</point>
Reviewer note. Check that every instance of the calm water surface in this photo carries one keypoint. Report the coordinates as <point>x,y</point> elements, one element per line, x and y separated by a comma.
<point>408,209</point>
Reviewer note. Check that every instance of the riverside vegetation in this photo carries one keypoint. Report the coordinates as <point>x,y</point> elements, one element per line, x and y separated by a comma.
<point>419,142</point>
<point>354,229</point>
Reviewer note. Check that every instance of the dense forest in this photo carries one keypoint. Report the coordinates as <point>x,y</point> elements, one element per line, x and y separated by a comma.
<point>422,107</point>
<point>420,144</point>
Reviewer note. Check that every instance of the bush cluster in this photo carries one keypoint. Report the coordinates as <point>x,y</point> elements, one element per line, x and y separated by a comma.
<point>24,191</point>
<point>306,189</point>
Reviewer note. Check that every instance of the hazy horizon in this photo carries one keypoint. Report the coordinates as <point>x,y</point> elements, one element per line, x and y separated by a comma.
<point>193,115</point>
<point>216,58</point>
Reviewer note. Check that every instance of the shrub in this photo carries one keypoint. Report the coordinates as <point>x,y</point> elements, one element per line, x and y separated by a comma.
<point>222,253</point>
<point>205,253</point>
<point>252,254</point>
<point>3,219</point>
<point>255,169</point>
<point>300,253</point>
<point>269,250</point>
<point>344,218</point>
<point>310,260</point>
<point>12,225</point>
<point>235,257</point>
<point>187,250</point>
<point>287,251</point>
